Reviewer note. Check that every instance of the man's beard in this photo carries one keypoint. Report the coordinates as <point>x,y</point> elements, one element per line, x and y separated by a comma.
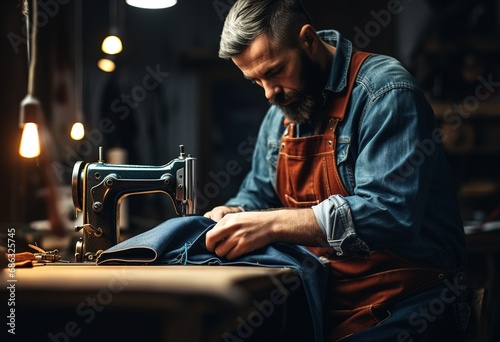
<point>307,101</point>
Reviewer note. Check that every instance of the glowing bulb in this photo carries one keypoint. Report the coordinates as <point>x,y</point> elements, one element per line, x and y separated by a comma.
<point>77,131</point>
<point>112,45</point>
<point>30,145</point>
<point>152,4</point>
<point>106,65</point>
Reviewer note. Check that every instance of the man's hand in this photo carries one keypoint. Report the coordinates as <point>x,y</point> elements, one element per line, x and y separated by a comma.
<point>241,233</point>
<point>219,212</point>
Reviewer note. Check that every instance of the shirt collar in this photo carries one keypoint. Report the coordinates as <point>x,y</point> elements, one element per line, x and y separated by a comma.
<point>337,78</point>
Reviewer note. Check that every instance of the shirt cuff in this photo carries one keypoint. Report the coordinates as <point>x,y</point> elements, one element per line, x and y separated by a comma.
<point>334,218</point>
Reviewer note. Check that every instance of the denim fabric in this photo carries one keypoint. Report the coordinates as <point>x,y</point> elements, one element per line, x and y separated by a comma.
<point>390,159</point>
<point>181,241</point>
<point>418,318</point>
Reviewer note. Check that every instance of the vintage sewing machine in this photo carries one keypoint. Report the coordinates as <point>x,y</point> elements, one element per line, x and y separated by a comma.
<point>99,188</point>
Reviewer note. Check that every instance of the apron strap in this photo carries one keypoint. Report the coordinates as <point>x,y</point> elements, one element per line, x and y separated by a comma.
<point>340,101</point>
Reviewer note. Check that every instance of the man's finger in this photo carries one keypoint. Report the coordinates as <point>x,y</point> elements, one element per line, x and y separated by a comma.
<point>213,238</point>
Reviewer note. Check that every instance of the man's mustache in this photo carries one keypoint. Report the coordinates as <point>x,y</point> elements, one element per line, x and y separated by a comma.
<point>282,99</point>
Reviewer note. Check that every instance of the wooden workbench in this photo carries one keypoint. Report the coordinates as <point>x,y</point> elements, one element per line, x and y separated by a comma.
<point>76,302</point>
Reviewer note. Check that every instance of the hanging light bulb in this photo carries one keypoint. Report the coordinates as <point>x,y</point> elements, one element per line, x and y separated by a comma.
<point>106,64</point>
<point>152,4</point>
<point>30,108</point>
<point>29,114</point>
<point>28,118</point>
<point>112,44</point>
<point>30,144</point>
<point>77,131</point>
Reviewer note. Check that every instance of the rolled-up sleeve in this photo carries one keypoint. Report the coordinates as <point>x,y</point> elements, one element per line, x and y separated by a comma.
<point>334,218</point>
<point>391,177</point>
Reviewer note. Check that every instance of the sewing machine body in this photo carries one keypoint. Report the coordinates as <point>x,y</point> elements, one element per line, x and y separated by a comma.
<point>99,188</point>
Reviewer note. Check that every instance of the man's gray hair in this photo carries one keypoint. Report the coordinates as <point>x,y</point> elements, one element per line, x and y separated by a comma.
<point>280,20</point>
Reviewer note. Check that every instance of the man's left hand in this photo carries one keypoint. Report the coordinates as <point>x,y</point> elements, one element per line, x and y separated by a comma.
<point>242,233</point>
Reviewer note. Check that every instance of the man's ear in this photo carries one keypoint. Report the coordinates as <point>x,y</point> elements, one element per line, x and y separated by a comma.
<point>308,39</point>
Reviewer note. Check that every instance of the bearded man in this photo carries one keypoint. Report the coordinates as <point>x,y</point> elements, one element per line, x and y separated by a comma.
<point>348,162</point>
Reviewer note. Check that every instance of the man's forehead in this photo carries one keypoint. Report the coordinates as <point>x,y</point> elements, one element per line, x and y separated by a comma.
<point>260,51</point>
<point>261,43</point>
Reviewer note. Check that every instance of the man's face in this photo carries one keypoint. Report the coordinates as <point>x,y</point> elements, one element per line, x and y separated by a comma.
<point>290,79</point>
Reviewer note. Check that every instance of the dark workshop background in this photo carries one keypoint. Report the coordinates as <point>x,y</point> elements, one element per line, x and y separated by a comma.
<point>202,102</point>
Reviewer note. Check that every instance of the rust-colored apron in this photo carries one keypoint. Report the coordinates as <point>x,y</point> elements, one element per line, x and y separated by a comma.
<point>359,288</point>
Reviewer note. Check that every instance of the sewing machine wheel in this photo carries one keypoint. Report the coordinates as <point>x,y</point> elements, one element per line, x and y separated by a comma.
<point>79,250</point>
<point>77,184</point>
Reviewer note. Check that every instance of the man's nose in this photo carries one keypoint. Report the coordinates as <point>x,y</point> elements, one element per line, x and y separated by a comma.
<point>270,90</point>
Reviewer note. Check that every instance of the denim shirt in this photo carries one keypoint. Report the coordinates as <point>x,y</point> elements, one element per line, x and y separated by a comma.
<point>391,162</point>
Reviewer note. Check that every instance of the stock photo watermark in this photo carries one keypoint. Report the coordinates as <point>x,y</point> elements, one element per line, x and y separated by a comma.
<point>362,35</point>
<point>287,284</point>
<point>221,179</point>
<point>47,10</point>
<point>483,91</point>
<point>454,116</point>
<point>88,309</point>
<point>428,314</point>
<point>11,281</point>
<point>222,7</point>
<point>381,19</point>
<point>121,106</point>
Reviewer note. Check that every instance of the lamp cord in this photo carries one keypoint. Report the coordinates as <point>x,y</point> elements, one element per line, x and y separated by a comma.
<point>31,42</point>
<point>113,13</point>
<point>26,16</point>
<point>78,60</point>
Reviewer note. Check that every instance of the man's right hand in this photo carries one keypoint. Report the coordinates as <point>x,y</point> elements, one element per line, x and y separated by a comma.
<point>219,212</point>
